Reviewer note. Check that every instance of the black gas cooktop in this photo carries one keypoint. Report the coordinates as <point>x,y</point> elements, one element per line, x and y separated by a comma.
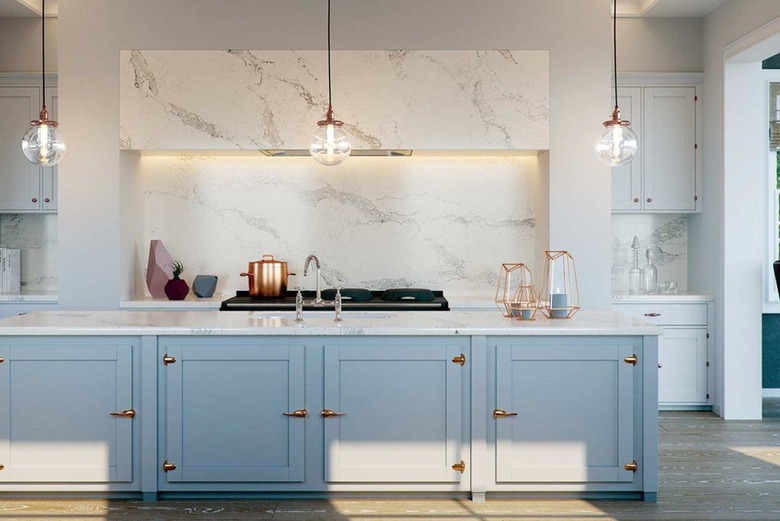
<point>353,299</point>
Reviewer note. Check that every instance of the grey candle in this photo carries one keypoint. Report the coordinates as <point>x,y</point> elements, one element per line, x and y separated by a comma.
<point>559,305</point>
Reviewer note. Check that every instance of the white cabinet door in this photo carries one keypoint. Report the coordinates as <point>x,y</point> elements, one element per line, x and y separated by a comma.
<point>402,408</point>
<point>49,173</point>
<point>225,404</point>
<point>682,373</point>
<point>669,139</point>
<point>627,179</point>
<point>575,413</point>
<point>19,179</point>
<point>55,405</point>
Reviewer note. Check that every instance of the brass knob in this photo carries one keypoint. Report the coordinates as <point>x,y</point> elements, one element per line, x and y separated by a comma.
<point>500,413</point>
<point>636,199</point>
<point>649,199</point>
<point>328,413</point>
<point>460,359</point>
<point>46,200</point>
<point>659,366</point>
<point>168,359</point>
<point>35,199</point>
<point>127,413</point>
<point>300,413</point>
<point>631,466</point>
<point>460,467</point>
<point>633,359</point>
<point>2,359</point>
<point>2,467</point>
<point>168,466</point>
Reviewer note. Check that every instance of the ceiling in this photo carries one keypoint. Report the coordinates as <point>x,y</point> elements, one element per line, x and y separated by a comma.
<point>26,8</point>
<point>667,8</point>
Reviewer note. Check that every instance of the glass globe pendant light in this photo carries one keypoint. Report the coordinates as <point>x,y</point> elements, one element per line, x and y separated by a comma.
<point>330,144</point>
<point>42,144</point>
<point>617,144</point>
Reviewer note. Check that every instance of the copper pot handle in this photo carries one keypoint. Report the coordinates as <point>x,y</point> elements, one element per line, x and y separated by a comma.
<point>269,256</point>
<point>290,274</point>
<point>246,275</point>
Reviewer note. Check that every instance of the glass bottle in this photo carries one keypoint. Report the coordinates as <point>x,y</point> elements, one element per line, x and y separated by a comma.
<point>650,274</point>
<point>635,273</point>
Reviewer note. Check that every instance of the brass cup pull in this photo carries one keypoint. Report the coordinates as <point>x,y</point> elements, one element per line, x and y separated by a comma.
<point>500,413</point>
<point>168,359</point>
<point>633,359</point>
<point>300,413</point>
<point>328,413</point>
<point>168,466</point>
<point>632,467</point>
<point>127,413</point>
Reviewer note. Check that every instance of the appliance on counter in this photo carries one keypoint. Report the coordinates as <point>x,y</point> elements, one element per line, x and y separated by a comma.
<point>353,299</point>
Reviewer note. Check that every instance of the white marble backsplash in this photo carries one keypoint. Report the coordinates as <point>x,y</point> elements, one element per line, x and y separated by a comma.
<point>388,99</point>
<point>440,223</point>
<point>667,234</point>
<point>36,236</point>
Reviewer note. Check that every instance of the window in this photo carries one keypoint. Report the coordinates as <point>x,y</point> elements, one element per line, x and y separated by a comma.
<point>773,184</point>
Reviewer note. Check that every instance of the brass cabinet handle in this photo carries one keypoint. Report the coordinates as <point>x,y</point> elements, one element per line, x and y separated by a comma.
<point>633,359</point>
<point>2,359</point>
<point>168,466</point>
<point>35,199</point>
<point>500,413</point>
<point>127,413</point>
<point>2,467</point>
<point>328,413</point>
<point>652,314</point>
<point>300,413</point>
<point>46,200</point>
<point>636,199</point>
<point>631,466</point>
<point>649,199</point>
<point>168,359</point>
<point>461,359</point>
<point>460,467</point>
<point>659,366</point>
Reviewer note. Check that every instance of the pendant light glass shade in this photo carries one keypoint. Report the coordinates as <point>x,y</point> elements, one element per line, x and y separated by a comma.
<point>42,144</point>
<point>617,144</point>
<point>330,144</point>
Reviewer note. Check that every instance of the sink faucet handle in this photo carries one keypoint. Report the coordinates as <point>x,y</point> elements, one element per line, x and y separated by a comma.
<point>337,305</point>
<point>298,305</point>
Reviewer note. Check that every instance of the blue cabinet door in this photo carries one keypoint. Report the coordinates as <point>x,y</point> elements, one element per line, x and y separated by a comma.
<point>55,413</point>
<point>402,408</point>
<point>575,413</point>
<point>224,406</point>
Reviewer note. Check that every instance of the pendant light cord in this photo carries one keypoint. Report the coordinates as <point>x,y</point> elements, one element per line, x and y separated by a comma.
<point>614,50</point>
<point>43,51</point>
<point>330,100</point>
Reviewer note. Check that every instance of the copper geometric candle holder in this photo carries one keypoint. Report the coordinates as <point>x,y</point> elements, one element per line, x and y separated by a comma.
<point>515,294</point>
<point>560,293</point>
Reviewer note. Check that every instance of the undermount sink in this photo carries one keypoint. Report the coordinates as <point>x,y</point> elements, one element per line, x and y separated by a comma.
<point>320,315</point>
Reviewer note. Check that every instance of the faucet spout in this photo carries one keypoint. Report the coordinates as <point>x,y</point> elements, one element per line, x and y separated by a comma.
<point>318,296</point>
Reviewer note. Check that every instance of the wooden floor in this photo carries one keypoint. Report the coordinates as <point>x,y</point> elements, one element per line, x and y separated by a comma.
<point>710,469</point>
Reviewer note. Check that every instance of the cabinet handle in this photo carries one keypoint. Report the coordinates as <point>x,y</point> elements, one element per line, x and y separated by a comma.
<point>300,413</point>
<point>659,366</point>
<point>631,466</point>
<point>35,199</point>
<point>46,200</point>
<point>2,467</point>
<point>168,466</point>
<point>500,413</point>
<point>329,413</point>
<point>652,314</point>
<point>460,467</point>
<point>649,199</point>
<point>633,359</point>
<point>168,359</point>
<point>127,413</point>
<point>636,199</point>
<point>2,359</point>
<point>460,359</point>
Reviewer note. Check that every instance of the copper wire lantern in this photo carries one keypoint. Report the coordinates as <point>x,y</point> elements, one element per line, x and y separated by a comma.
<point>515,293</point>
<point>560,293</point>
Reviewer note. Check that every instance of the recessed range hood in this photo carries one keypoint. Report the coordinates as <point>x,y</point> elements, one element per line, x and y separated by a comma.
<point>394,103</point>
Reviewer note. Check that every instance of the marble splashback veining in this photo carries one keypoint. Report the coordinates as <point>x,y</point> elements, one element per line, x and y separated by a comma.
<point>667,234</point>
<point>388,99</point>
<point>442,223</point>
<point>36,236</point>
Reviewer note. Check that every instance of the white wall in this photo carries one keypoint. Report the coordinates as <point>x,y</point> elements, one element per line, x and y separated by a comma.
<point>20,44</point>
<point>660,45</point>
<point>726,254</point>
<point>92,203</point>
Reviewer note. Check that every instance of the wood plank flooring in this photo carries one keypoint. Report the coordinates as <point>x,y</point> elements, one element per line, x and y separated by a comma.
<point>710,469</point>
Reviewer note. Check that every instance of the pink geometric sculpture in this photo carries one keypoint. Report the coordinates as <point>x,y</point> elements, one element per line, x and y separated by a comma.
<point>159,270</point>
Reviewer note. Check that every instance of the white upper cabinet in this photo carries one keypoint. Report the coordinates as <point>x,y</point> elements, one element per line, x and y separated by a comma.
<point>665,174</point>
<point>388,99</point>
<point>19,179</point>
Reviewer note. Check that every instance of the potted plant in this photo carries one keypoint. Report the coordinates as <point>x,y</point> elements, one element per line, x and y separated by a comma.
<point>176,288</point>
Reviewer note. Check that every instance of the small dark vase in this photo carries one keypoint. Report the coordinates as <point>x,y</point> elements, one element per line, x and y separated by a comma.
<point>176,289</point>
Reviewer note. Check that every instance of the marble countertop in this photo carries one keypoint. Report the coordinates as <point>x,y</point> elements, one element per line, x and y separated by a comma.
<point>282,323</point>
<point>673,298</point>
<point>29,296</point>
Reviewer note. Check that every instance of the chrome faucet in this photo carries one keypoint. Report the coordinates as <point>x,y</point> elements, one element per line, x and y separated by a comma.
<point>318,296</point>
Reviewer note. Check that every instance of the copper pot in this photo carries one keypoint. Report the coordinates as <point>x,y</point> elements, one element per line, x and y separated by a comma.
<point>267,277</point>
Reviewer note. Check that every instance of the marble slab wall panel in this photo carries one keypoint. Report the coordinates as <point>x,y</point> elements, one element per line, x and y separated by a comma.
<point>440,223</point>
<point>667,234</point>
<point>423,100</point>
<point>36,236</point>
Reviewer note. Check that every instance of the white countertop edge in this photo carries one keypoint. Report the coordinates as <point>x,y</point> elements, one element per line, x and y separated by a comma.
<point>679,298</point>
<point>38,298</point>
<point>150,304</point>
